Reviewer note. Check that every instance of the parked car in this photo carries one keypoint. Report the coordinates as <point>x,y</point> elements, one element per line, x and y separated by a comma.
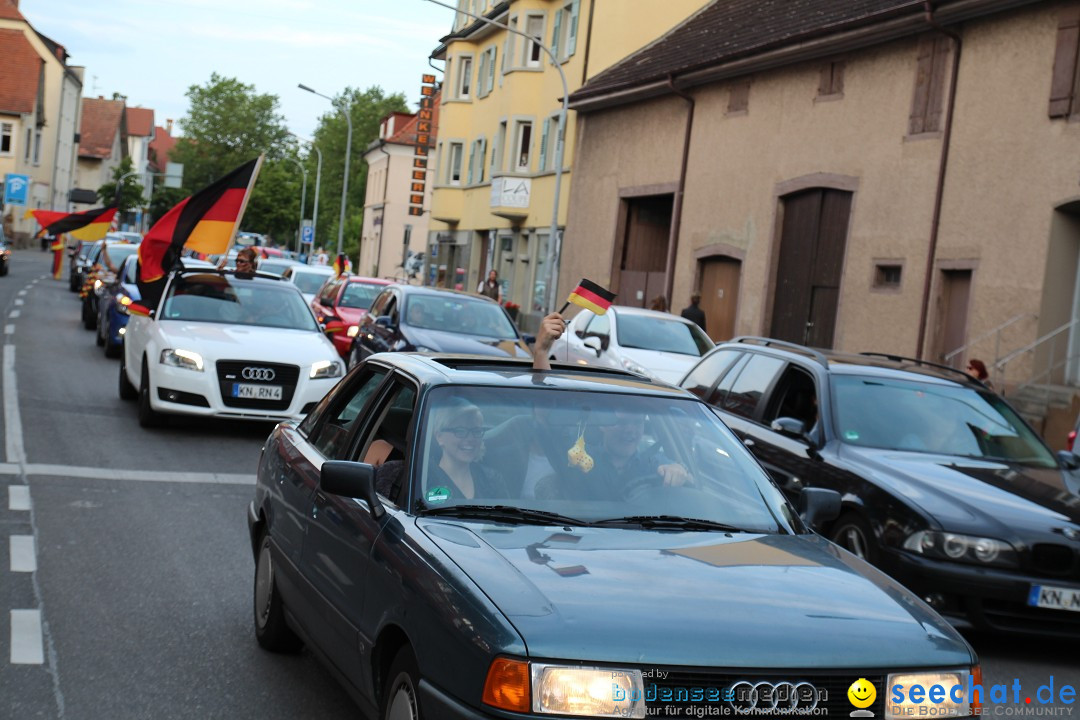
<point>5,254</point>
<point>342,304</point>
<point>117,251</point>
<point>945,487</point>
<point>656,344</point>
<point>241,347</point>
<point>600,596</point>
<point>309,278</point>
<point>408,317</point>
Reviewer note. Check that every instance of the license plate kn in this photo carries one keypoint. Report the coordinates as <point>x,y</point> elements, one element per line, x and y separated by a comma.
<point>1054,598</point>
<point>248,391</point>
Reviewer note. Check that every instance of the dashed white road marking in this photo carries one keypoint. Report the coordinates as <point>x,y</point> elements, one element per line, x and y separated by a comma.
<point>14,314</point>
<point>21,292</point>
<point>19,301</point>
<point>99,473</point>
<point>23,555</point>
<point>15,453</point>
<point>26,645</point>
<point>9,329</point>
<point>18,497</point>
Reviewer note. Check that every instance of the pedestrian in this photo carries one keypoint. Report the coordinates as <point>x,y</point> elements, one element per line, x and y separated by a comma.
<point>491,287</point>
<point>659,303</point>
<point>978,369</point>
<point>321,258</point>
<point>693,312</point>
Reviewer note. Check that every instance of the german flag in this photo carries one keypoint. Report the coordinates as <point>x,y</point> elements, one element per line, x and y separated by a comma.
<point>87,225</point>
<point>592,297</point>
<point>205,222</point>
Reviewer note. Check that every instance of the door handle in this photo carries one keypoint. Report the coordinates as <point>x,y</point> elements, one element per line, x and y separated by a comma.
<point>748,442</point>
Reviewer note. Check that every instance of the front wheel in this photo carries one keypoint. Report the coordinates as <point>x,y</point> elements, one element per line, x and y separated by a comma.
<point>127,390</point>
<point>271,630</point>
<point>89,318</point>
<point>853,533</point>
<point>148,417</point>
<point>400,698</point>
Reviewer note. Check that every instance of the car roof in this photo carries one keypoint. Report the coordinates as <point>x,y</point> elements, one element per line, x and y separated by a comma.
<point>836,362</point>
<point>368,280</point>
<point>645,312</point>
<point>317,269</point>
<point>425,290</point>
<point>484,370</point>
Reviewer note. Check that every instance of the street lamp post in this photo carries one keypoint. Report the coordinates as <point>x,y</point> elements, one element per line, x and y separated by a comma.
<point>303,201</point>
<point>554,232</point>
<point>347,112</point>
<point>318,178</point>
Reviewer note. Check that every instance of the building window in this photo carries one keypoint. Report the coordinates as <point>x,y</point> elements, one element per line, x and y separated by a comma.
<point>37,147</point>
<point>6,130</point>
<point>464,85</point>
<point>26,151</point>
<point>1065,83</point>
<point>534,28</point>
<point>928,105</point>
<point>498,151</point>
<point>564,34</point>
<point>522,145</point>
<point>887,275</point>
<point>832,79</point>
<point>453,176</point>
<point>739,99</point>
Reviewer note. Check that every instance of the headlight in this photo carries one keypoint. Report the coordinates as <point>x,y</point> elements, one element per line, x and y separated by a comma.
<point>353,331</point>
<point>932,694</point>
<point>182,359</point>
<point>588,692</point>
<point>97,284</point>
<point>962,548</point>
<point>635,368</point>
<point>122,302</point>
<point>325,369</point>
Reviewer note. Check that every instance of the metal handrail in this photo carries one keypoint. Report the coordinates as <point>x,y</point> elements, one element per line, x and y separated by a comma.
<point>950,355</point>
<point>1034,380</point>
<point>1034,344</point>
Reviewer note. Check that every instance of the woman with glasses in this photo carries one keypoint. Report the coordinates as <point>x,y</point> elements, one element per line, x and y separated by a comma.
<point>459,434</point>
<point>246,260</point>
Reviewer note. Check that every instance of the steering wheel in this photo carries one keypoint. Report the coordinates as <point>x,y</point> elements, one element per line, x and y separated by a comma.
<point>639,485</point>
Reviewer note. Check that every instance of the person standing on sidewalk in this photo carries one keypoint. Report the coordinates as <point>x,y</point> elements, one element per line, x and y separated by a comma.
<point>694,313</point>
<point>491,287</point>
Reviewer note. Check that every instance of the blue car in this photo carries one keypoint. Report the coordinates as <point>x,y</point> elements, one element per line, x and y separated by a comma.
<point>113,301</point>
<point>465,537</point>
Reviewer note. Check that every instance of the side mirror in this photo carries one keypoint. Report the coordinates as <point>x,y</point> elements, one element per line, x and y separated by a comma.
<point>594,343</point>
<point>353,480</point>
<point>790,427</point>
<point>384,321</point>
<point>325,302</point>
<point>816,505</point>
<point>1068,460</point>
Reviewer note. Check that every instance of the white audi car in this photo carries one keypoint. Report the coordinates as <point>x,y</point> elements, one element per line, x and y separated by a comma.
<point>227,345</point>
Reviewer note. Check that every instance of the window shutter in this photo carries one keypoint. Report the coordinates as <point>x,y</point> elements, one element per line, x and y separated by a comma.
<point>1063,81</point>
<point>491,69</point>
<point>825,82</point>
<point>935,104</point>
<point>739,100</point>
<point>571,35</point>
<point>923,71</point>
<point>472,163</point>
<point>555,33</point>
<point>483,157</point>
<point>544,144</point>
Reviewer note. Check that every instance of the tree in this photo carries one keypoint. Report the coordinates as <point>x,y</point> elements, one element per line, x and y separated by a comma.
<point>131,190</point>
<point>227,124</point>
<point>368,108</point>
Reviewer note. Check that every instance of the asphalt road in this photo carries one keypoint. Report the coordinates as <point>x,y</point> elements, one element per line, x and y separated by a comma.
<point>129,556</point>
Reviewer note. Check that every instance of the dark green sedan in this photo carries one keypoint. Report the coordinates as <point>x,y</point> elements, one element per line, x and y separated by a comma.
<point>466,537</point>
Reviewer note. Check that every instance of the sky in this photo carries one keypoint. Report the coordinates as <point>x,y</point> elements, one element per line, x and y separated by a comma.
<point>152,51</point>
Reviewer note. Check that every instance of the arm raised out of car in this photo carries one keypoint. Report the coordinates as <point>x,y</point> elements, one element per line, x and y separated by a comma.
<point>551,329</point>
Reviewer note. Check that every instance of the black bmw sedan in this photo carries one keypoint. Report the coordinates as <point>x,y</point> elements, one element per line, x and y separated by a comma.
<point>465,537</point>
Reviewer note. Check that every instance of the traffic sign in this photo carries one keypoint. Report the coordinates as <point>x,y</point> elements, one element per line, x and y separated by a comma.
<point>307,234</point>
<point>16,189</point>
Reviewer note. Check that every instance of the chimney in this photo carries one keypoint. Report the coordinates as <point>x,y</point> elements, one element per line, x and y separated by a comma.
<point>168,125</point>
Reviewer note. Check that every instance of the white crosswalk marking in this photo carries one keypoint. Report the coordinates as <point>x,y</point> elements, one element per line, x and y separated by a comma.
<point>23,557</point>
<point>26,645</point>
<point>18,497</point>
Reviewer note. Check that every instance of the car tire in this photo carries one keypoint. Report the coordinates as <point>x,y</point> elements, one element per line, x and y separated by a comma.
<point>98,338</point>
<point>113,350</point>
<point>271,630</point>
<point>3,268</point>
<point>853,533</point>
<point>354,356</point>
<point>127,390</point>
<point>401,694</point>
<point>148,417</point>
<point>88,318</point>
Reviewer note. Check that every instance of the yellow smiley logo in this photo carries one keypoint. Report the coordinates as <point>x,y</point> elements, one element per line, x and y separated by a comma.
<point>862,693</point>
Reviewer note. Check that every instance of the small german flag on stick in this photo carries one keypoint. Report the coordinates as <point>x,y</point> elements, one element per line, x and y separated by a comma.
<point>590,296</point>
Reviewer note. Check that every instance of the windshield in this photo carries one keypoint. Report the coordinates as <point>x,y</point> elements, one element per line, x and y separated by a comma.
<point>222,299</point>
<point>459,315</point>
<point>647,332</point>
<point>359,295</point>
<point>119,253</point>
<point>309,282</point>
<point>591,457</point>
<point>932,418</point>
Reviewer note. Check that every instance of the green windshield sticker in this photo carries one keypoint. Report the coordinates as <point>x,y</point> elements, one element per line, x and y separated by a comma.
<point>851,435</point>
<point>438,494</point>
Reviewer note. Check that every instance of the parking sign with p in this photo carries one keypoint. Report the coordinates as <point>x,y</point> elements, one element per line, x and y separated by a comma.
<point>16,189</point>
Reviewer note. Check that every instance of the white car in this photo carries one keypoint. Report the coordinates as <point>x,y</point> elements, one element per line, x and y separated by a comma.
<point>227,346</point>
<point>309,278</point>
<point>656,344</point>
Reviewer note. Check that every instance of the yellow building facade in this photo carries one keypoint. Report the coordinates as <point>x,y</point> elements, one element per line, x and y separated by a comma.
<point>495,162</point>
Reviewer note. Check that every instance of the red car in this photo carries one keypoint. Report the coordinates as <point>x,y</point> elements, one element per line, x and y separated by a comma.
<point>342,303</point>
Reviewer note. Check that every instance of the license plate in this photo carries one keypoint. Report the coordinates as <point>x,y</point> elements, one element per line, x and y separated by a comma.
<point>1054,598</point>
<point>256,392</point>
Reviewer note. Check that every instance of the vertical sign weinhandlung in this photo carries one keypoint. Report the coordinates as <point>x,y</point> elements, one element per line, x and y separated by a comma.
<point>418,180</point>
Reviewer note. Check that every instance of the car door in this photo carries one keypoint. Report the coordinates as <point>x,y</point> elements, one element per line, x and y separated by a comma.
<point>741,390</point>
<point>336,557</point>
<point>384,336</point>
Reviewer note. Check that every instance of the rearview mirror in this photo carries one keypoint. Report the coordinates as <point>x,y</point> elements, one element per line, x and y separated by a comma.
<point>594,343</point>
<point>1068,460</point>
<point>352,480</point>
<point>817,505</point>
<point>384,321</point>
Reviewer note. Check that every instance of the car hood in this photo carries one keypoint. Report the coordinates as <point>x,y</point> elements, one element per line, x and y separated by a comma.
<point>706,599</point>
<point>667,366</point>
<point>980,497</point>
<point>239,342</point>
<point>449,342</point>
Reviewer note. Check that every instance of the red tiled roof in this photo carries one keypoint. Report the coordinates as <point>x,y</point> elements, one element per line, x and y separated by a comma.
<point>19,72</point>
<point>8,11</point>
<point>407,134</point>
<point>160,147</point>
<point>140,121</point>
<point>100,123</point>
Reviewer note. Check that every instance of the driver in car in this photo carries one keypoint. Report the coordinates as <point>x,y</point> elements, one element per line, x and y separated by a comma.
<point>620,457</point>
